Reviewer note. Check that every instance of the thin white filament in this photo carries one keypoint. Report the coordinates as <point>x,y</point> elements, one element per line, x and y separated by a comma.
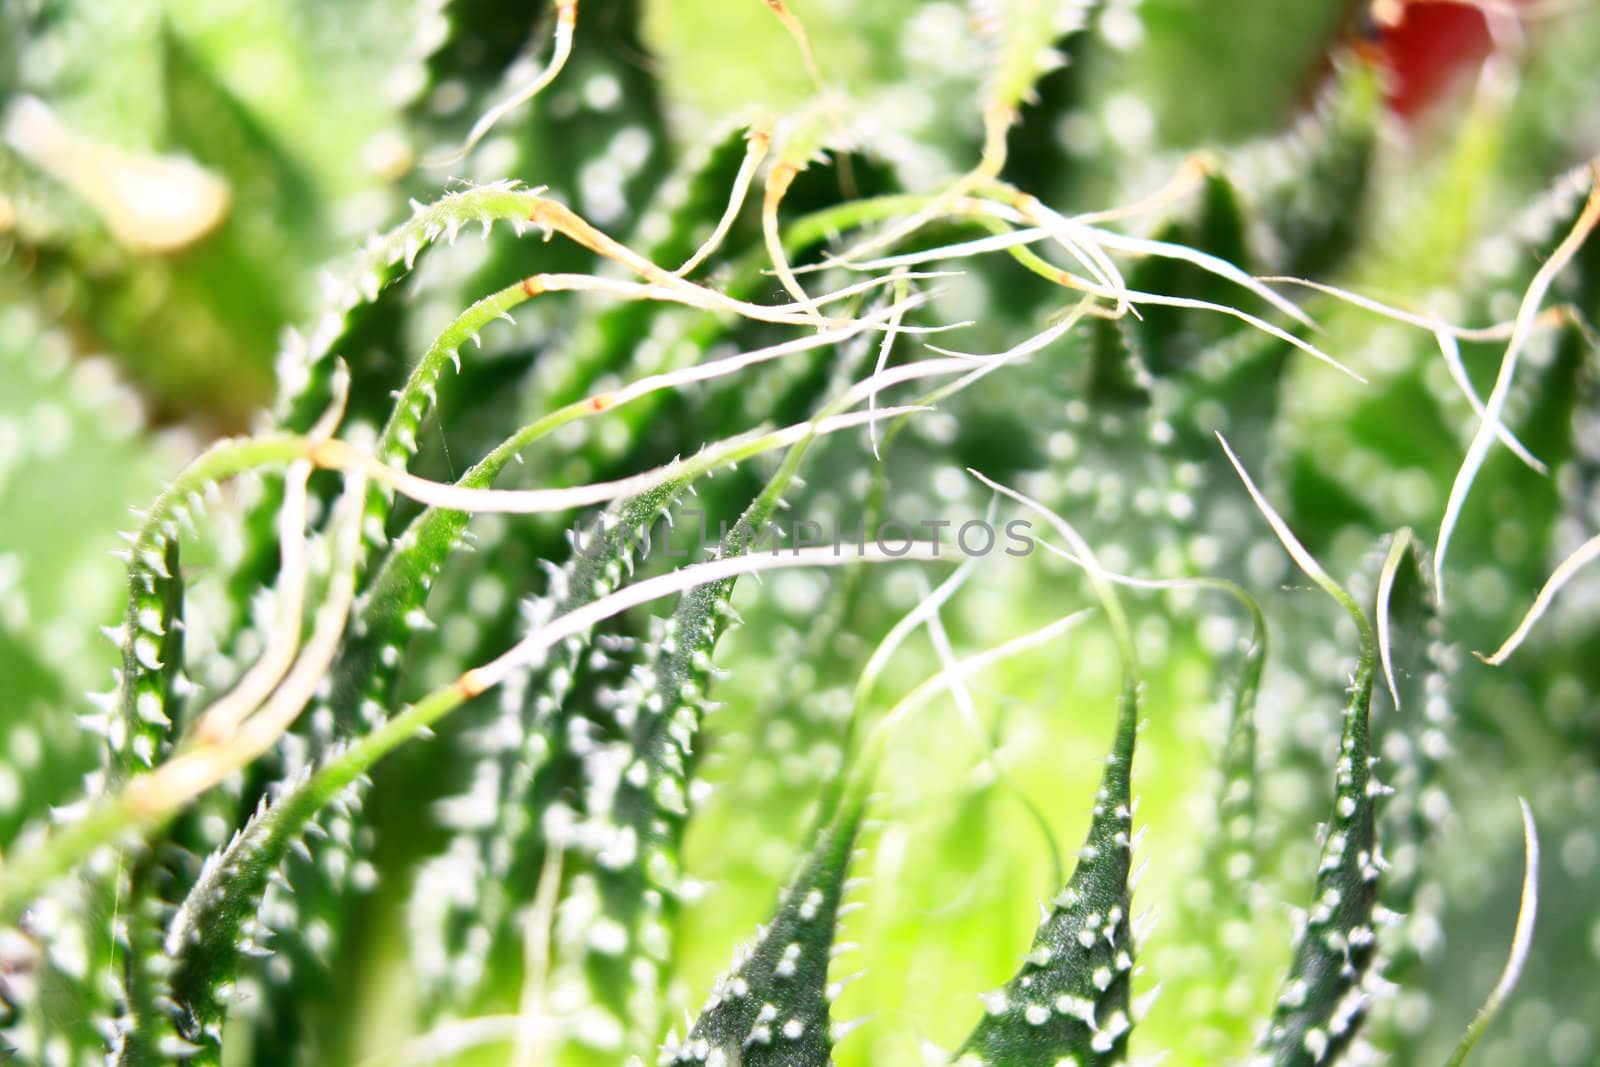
<point>1243,316</point>
<point>756,145</point>
<point>959,691</point>
<point>541,501</point>
<point>1451,350</point>
<point>974,664</point>
<point>566,23</point>
<point>1205,261</point>
<point>718,368</point>
<point>906,626</point>
<point>222,718</point>
<point>998,242</point>
<point>194,771</point>
<point>906,372</point>
<point>1391,566</point>
<point>692,295</point>
<point>778,180</point>
<point>1495,408</point>
<point>531,649</point>
<point>1447,334</point>
<point>535,1021</point>
<point>1298,552</point>
<point>1080,243</point>
<point>219,721</point>
<point>553,217</point>
<point>261,730</point>
<point>686,293</point>
<point>884,350</point>
<point>1521,941</point>
<point>989,364</point>
<point>1088,560</point>
<point>1122,295</point>
<point>1189,172</point>
<point>1498,332</point>
<point>893,235</point>
<point>1114,241</point>
<point>1586,554</point>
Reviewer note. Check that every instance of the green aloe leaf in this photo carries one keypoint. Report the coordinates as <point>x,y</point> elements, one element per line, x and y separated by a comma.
<point>1223,902</point>
<point>492,823</point>
<point>660,716</point>
<point>1325,997</point>
<point>771,1009</point>
<point>1070,1002</point>
<point>152,656</point>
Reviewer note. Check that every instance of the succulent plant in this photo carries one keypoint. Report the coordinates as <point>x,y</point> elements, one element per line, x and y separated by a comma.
<point>693,520</point>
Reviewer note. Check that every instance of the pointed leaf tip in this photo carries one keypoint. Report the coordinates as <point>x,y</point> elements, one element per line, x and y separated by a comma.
<point>771,1009</point>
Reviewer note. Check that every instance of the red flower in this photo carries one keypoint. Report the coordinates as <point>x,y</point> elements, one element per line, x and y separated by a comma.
<point>1427,46</point>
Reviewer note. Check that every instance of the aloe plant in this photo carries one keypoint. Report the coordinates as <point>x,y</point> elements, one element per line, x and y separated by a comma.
<point>684,526</point>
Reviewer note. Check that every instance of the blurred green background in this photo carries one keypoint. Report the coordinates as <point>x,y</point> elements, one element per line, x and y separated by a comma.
<point>288,131</point>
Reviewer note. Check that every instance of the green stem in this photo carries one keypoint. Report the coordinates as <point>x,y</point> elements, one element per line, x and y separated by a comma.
<point>223,460</point>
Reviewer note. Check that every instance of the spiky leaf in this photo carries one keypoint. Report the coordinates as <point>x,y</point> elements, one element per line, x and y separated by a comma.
<point>1325,998</point>
<point>772,1007</point>
<point>1070,1002</point>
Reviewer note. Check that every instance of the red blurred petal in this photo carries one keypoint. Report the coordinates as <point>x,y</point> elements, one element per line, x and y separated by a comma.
<point>1434,44</point>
